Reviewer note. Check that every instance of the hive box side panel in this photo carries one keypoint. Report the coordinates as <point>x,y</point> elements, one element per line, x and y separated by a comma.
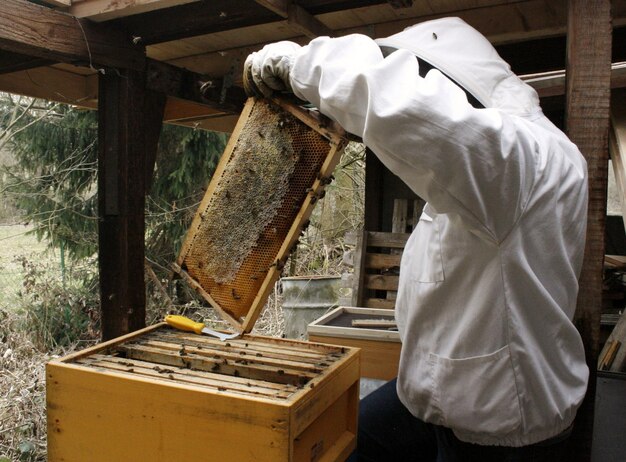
<point>379,359</point>
<point>380,349</point>
<point>104,417</point>
<point>324,417</point>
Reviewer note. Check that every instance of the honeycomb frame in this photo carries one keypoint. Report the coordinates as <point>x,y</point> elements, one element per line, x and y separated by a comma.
<point>274,168</point>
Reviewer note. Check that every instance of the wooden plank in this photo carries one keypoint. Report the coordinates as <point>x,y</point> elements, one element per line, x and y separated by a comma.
<point>379,303</point>
<point>618,335</point>
<point>59,3</point>
<point>615,261</point>
<point>262,384</point>
<point>382,261</point>
<point>359,268</point>
<point>121,201</point>
<point>322,391</point>
<point>191,360</point>
<point>186,85</point>
<point>617,145</point>
<point>192,19</point>
<point>13,62</point>
<point>380,282</point>
<point>61,37</point>
<point>399,218</point>
<point>304,22</point>
<point>89,409</point>
<point>175,374</point>
<point>373,215</point>
<point>234,356</point>
<point>375,323</point>
<point>51,84</point>
<point>587,124</point>
<point>251,348</point>
<point>379,358</point>
<point>105,10</point>
<point>393,240</point>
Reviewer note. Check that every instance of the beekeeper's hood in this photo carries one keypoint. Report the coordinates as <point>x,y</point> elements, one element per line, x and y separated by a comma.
<point>466,56</point>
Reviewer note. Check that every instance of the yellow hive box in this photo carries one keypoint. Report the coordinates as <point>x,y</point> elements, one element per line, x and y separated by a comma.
<point>380,345</point>
<point>161,395</point>
<point>165,395</point>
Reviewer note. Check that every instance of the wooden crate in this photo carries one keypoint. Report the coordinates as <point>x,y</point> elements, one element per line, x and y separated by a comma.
<point>380,348</point>
<point>164,395</point>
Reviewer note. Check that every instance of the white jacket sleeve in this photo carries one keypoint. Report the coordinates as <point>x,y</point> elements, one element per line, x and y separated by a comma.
<point>477,163</point>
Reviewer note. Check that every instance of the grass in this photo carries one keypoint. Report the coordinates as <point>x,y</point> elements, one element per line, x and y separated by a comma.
<point>16,243</point>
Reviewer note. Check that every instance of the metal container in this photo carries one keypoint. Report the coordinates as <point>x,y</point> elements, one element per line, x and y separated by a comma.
<point>305,299</point>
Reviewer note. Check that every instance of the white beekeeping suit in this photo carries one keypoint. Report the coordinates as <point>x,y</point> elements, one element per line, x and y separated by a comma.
<point>488,280</point>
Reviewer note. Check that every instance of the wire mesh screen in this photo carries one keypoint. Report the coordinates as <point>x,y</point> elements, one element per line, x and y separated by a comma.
<point>270,166</point>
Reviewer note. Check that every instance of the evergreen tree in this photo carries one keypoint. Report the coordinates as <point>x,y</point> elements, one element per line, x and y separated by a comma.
<point>54,178</point>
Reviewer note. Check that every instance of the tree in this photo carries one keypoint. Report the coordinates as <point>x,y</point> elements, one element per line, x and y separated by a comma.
<point>54,177</point>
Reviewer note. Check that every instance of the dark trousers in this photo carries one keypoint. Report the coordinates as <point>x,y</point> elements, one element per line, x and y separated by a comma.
<point>389,433</point>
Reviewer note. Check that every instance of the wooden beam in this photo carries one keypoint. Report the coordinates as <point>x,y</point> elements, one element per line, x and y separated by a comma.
<point>52,84</point>
<point>400,3</point>
<point>553,83</point>
<point>194,19</point>
<point>617,145</point>
<point>587,124</point>
<point>183,84</point>
<point>121,201</point>
<point>13,62</point>
<point>304,22</point>
<point>297,17</point>
<point>373,220</point>
<point>105,10</point>
<point>58,3</point>
<point>42,32</point>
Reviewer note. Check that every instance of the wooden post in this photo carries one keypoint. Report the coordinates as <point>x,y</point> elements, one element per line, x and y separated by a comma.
<point>126,133</point>
<point>373,220</point>
<point>587,124</point>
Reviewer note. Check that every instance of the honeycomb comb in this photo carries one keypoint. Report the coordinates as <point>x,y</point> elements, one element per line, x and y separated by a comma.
<point>273,170</point>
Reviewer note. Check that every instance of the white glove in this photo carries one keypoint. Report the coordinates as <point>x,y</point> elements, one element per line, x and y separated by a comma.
<point>269,68</point>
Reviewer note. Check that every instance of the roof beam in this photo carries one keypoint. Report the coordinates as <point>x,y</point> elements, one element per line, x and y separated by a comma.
<point>297,17</point>
<point>194,19</point>
<point>105,10</point>
<point>42,32</point>
<point>58,3</point>
<point>183,84</point>
<point>13,62</point>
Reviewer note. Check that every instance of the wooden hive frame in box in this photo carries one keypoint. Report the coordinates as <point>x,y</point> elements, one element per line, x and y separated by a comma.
<point>275,167</point>
<point>165,395</point>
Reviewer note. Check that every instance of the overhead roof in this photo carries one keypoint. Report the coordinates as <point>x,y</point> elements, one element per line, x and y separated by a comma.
<point>211,38</point>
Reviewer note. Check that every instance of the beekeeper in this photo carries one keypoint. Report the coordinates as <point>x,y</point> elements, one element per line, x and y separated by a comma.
<point>491,364</point>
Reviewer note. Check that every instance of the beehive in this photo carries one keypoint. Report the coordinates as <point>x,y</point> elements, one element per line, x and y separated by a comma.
<point>380,347</point>
<point>272,172</point>
<point>162,395</point>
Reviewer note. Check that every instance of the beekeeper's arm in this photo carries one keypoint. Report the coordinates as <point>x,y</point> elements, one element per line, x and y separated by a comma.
<point>477,163</point>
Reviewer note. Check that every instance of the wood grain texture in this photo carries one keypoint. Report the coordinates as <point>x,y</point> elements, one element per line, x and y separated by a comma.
<point>125,134</point>
<point>61,37</point>
<point>587,124</point>
<point>156,411</point>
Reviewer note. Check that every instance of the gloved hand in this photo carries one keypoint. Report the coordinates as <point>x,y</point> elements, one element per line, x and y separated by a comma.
<point>267,70</point>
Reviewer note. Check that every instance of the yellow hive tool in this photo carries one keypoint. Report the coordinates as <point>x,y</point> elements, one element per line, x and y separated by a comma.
<point>186,324</point>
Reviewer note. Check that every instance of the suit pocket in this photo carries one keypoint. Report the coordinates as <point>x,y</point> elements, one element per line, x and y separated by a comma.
<point>477,394</point>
